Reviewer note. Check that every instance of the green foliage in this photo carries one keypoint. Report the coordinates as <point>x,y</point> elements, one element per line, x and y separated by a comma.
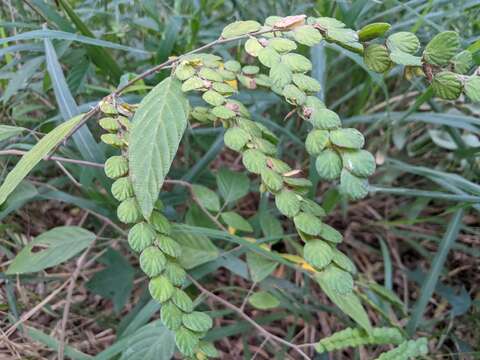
<point>143,151</point>
<point>51,248</point>
<point>154,139</point>
<point>34,156</point>
<point>354,337</point>
<point>407,350</point>
<point>263,300</point>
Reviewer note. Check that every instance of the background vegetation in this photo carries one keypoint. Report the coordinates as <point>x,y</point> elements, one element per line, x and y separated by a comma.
<point>419,228</point>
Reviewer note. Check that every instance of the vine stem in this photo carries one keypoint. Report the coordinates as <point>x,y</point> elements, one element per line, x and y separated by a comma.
<point>268,335</point>
<point>96,109</point>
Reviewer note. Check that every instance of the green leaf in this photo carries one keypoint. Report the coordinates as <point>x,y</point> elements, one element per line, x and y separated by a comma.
<point>447,85</point>
<point>306,83</point>
<point>472,88</point>
<point>312,207</point>
<point>150,342</point>
<point>307,35</point>
<point>161,288</point>
<point>208,349</point>
<point>263,300</point>
<point>280,75</point>
<point>253,47</point>
<point>271,179</point>
<point>344,262</point>
<point>210,74</point>
<point>411,349</point>
<point>403,58</point>
<point>152,261</point>
<point>98,54</point>
<point>232,185</point>
<point>34,156</point>
<point>236,138</point>
<point>240,28</point>
<point>169,246</point>
<point>182,300</point>
<point>282,45</point>
<point>462,62</point>
<point>62,35</point>
<point>213,98</point>
<point>129,211</point>
<point>346,38</point>
<point>359,162</point>
<point>297,62</point>
<point>316,141</point>
<point>22,194</point>
<point>186,341</point>
<point>7,131</point>
<point>330,234</point>
<point>158,127</point>
<point>83,138</point>
<point>232,219</point>
<point>308,223</point>
<point>293,95</point>
<point>324,119</point>
<point>171,316</point>
<point>377,58</point>
<point>270,225</point>
<point>197,321</point>
<point>184,71</point>
<point>197,249</point>
<point>348,303</point>
<point>115,282</point>
<point>223,112</point>
<point>442,48</point>
<point>268,57</point>
<point>51,248</point>
<point>193,83</point>
<point>254,161</point>
<point>403,41</point>
<point>233,65</point>
<point>318,253</point>
<point>328,164</point>
<point>373,31</point>
<point>349,138</point>
<point>160,222</point>
<point>287,203</point>
<point>116,166</point>
<point>122,189</point>
<point>260,266</point>
<point>355,337</point>
<point>353,187</point>
<point>208,198</point>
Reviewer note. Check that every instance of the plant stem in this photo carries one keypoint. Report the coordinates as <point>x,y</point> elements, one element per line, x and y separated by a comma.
<point>265,333</point>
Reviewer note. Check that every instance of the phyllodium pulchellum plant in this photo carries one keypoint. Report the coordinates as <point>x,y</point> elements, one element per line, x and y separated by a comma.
<point>148,135</point>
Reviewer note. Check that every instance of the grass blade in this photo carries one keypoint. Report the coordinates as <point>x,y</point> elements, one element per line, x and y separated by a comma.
<point>98,55</point>
<point>437,265</point>
<point>83,138</point>
<point>62,35</point>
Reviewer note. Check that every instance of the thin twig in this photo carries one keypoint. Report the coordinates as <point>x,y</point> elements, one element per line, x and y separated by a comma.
<point>264,332</point>
<point>96,109</point>
<point>194,198</point>
<point>244,303</point>
<point>54,158</point>
<point>32,312</point>
<point>68,301</point>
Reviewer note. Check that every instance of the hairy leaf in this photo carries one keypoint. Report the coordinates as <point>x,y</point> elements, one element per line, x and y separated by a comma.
<point>158,127</point>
